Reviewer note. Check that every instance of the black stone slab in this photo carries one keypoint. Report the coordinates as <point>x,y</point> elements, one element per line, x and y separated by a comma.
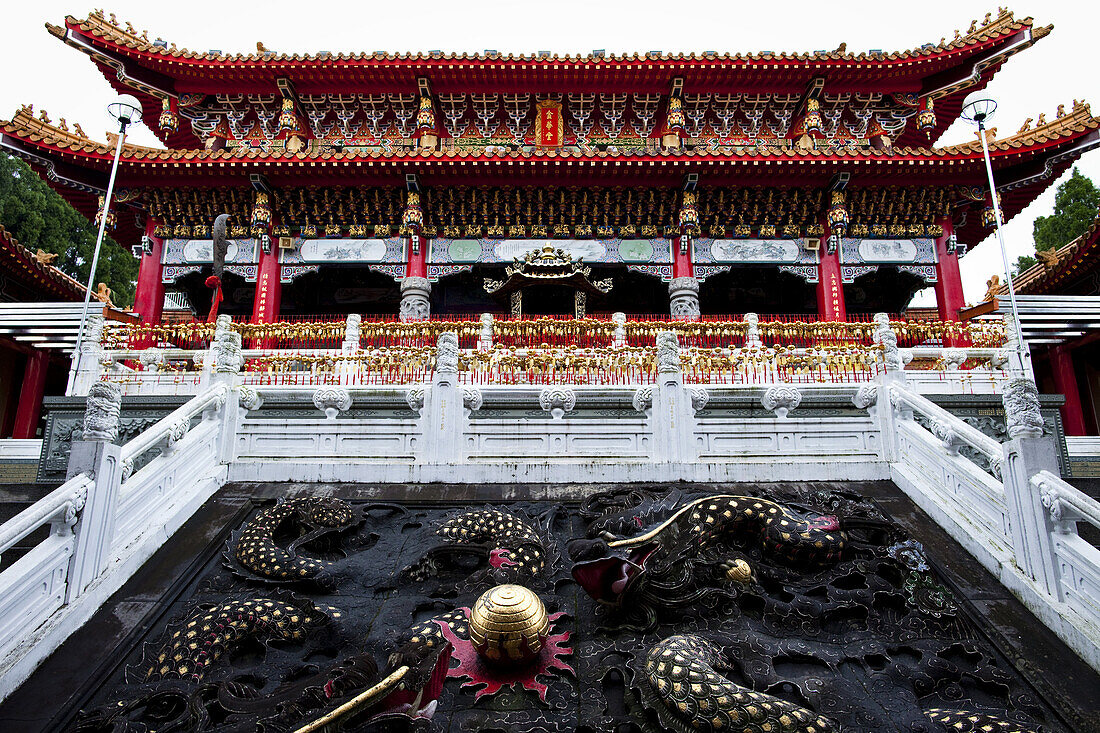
<point>1046,678</point>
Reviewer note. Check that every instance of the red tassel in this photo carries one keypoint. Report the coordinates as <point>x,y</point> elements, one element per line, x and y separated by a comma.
<point>214,283</point>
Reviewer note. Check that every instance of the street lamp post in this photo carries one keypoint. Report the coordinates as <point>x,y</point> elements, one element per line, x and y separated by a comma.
<point>977,108</point>
<point>125,111</point>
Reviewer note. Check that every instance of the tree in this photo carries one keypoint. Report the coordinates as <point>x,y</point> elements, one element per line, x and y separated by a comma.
<point>39,218</point>
<point>1024,263</point>
<point>1076,204</point>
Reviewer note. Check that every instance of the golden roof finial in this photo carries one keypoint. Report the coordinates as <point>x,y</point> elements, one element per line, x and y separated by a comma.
<point>44,117</point>
<point>973,26</point>
<point>1060,112</point>
<point>261,48</point>
<point>1025,127</point>
<point>114,20</point>
<point>27,109</point>
<point>63,125</point>
<point>1042,119</point>
<point>993,286</point>
<point>988,16</point>
<point>79,130</point>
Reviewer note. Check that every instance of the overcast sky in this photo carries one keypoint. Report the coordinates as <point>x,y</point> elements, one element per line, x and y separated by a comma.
<point>41,70</point>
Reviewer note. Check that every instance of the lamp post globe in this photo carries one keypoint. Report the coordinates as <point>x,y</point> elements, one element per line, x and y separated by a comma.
<point>978,107</point>
<point>126,110</point>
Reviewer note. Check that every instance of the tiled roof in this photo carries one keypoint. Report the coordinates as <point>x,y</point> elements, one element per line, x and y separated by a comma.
<point>1074,260</point>
<point>40,131</point>
<point>125,36</point>
<point>1079,119</point>
<point>21,260</point>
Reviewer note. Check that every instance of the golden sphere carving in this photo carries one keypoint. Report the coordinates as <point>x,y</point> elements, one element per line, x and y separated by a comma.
<point>508,625</point>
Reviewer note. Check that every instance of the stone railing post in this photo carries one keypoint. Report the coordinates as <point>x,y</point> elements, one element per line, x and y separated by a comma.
<point>618,336</point>
<point>225,358</point>
<point>352,332</point>
<point>886,338</point>
<point>752,331</point>
<point>1026,453</point>
<point>672,419</point>
<point>96,455</point>
<point>87,365</point>
<point>485,336</point>
<point>443,424</point>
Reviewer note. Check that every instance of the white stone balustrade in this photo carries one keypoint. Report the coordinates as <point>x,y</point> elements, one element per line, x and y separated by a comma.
<point>105,522</point>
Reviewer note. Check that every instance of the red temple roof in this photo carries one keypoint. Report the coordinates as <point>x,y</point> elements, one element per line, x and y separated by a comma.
<point>27,267</point>
<point>1057,271</point>
<point>944,71</point>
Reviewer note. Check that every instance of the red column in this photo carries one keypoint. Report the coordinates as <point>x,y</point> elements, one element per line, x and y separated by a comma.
<point>149,295</point>
<point>30,395</point>
<point>949,290</point>
<point>681,260</point>
<point>269,289</point>
<point>1065,381</point>
<point>830,289</point>
<point>418,260</point>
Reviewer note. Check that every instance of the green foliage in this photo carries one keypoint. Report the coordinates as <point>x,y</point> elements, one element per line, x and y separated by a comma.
<point>1023,263</point>
<point>39,218</point>
<point>1076,204</point>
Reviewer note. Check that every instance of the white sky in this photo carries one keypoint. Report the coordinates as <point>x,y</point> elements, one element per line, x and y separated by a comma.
<point>41,70</point>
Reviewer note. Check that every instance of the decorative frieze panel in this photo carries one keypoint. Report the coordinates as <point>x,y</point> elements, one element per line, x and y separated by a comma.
<point>201,252</point>
<point>855,251</point>
<point>344,250</point>
<point>444,251</point>
<point>714,256</point>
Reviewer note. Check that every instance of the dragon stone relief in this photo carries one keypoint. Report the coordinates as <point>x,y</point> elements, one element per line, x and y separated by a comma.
<point>645,608</point>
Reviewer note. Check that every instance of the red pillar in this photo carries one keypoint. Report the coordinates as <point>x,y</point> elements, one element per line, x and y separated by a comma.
<point>31,394</point>
<point>830,289</point>
<point>1065,381</point>
<point>269,289</point>
<point>418,259</point>
<point>149,295</point>
<point>681,257</point>
<point>949,290</point>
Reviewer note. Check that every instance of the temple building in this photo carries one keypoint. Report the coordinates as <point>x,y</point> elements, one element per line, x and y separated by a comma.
<point>707,183</point>
<point>555,393</point>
